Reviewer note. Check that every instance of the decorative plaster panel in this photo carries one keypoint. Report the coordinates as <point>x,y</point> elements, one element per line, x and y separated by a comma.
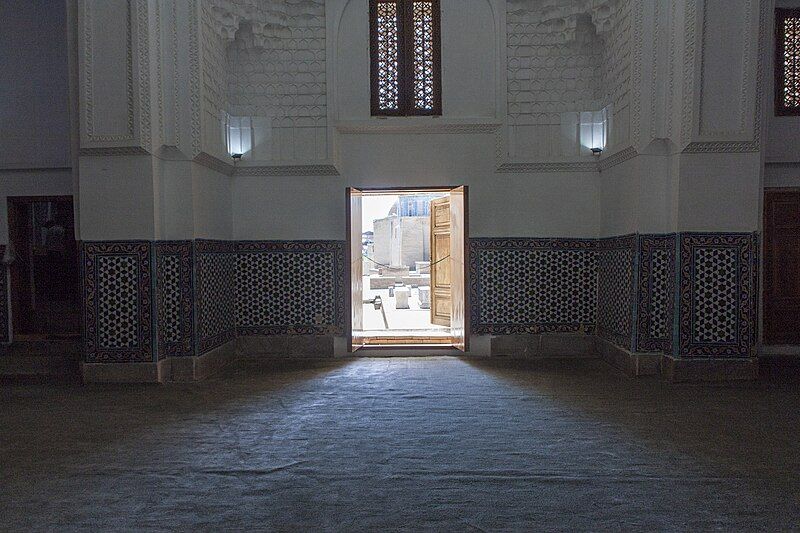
<point>107,45</point>
<point>276,59</point>
<point>214,79</point>
<point>562,59</point>
<point>727,63</point>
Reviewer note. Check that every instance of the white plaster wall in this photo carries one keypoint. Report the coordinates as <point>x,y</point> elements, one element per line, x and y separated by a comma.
<point>211,204</point>
<point>173,206</point>
<point>637,196</point>
<point>117,200</point>
<point>34,107</point>
<point>558,204</point>
<point>719,192</point>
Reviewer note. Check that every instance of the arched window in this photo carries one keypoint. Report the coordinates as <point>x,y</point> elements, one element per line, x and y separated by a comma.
<point>405,51</point>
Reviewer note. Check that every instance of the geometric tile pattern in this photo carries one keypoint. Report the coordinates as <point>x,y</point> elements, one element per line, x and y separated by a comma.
<point>174,298</point>
<point>117,301</point>
<point>516,286</point>
<point>169,298</point>
<point>117,288</point>
<point>4,316</point>
<point>615,289</point>
<point>215,293</point>
<point>717,294</point>
<point>656,289</point>
<point>659,321</point>
<point>532,285</point>
<point>293,287</point>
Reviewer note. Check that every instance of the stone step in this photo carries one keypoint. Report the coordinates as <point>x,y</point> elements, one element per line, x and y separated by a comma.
<point>57,359</point>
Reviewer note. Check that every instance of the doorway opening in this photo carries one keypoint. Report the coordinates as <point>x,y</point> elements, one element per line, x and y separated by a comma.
<point>407,267</point>
<point>44,268</point>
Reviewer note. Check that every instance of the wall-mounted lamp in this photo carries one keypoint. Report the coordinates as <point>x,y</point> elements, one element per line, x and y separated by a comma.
<point>239,136</point>
<point>593,130</point>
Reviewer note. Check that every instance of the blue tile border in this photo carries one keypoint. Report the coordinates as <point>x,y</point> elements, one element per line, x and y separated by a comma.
<point>655,295</point>
<point>743,280</point>
<point>182,251</point>
<point>618,325</point>
<point>205,311</point>
<point>141,349</point>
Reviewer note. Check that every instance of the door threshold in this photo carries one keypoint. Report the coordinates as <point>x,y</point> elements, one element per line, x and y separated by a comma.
<point>415,340</point>
<point>408,346</point>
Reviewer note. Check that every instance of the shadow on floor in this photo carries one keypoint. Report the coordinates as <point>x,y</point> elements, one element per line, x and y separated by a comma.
<point>439,443</point>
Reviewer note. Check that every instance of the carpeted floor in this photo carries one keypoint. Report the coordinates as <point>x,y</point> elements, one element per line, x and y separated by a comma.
<point>402,444</point>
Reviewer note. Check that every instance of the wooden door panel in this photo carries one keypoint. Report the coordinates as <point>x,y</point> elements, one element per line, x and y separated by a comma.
<point>782,267</point>
<point>440,265</point>
<point>444,306</point>
<point>442,275</point>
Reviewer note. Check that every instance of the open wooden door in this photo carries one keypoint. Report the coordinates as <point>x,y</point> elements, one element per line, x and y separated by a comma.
<point>355,269</point>
<point>441,292</point>
<point>459,316</point>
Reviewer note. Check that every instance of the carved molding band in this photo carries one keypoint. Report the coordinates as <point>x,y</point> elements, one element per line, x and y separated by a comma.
<point>288,170</point>
<point>214,163</point>
<point>428,128</point>
<point>112,151</point>
<point>566,166</point>
<point>721,147</point>
<point>617,158</point>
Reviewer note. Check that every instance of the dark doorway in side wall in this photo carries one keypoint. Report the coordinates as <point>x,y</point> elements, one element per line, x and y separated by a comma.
<point>781,266</point>
<point>44,268</point>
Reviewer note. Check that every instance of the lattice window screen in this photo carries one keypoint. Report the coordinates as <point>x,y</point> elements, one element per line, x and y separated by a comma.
<point>787,62</point>
<point>405,55</point>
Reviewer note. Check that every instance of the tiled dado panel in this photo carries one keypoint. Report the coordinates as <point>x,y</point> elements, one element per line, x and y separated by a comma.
<point>656,293</point>
<point>718,294</point>
<point>616,259</point>
<point>290,287</point>
<point>533,285</point>
<point>4,315</point>
<point>215,293</point>
<point>174,298</point>
<point>117,302</point>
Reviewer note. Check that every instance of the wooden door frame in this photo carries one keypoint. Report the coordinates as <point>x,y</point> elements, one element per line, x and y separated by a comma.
<point>762,267</point>
<point>349,244</point>
<point>13,204</point>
